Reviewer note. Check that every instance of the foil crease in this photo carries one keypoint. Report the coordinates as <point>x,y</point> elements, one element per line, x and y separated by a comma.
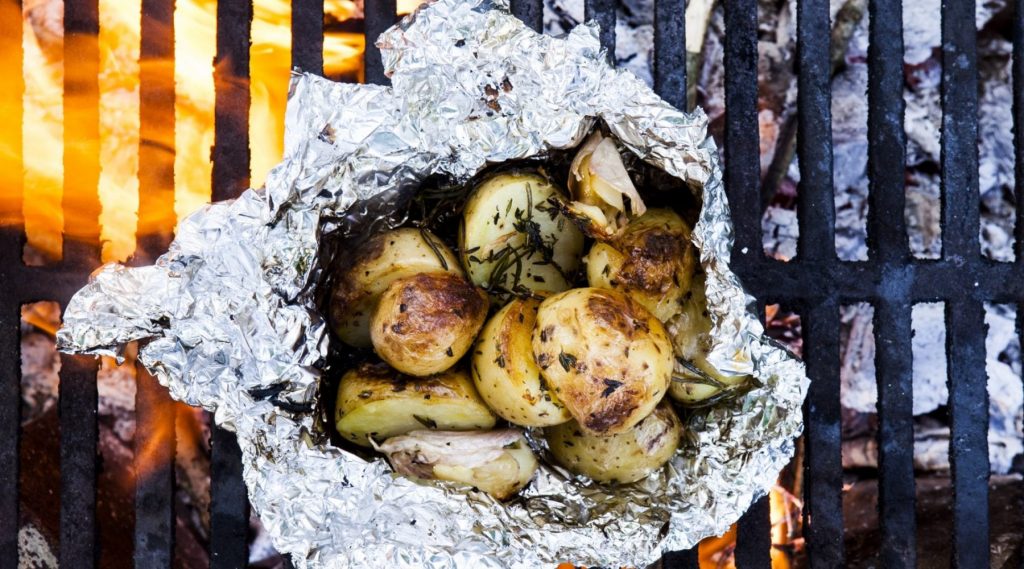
<point>227,316</point>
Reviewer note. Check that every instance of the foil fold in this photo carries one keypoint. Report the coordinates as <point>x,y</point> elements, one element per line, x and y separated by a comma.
<point>227,318</point>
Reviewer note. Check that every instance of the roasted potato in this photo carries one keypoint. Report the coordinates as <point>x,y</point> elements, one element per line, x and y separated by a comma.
<point>607,358</point>
<point>652,262</point>
<point>425,323</point>
<point>505,373</point>
<point>377,263</point>
<point>513,237</point>
<point>376,401</point>
<point>625,457</point>
<point>695,380</point>
<point>497,462</point>
<point>598,181</point>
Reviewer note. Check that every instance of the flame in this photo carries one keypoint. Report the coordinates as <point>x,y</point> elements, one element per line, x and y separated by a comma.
<point>718,552</point>
<point>42,147</point>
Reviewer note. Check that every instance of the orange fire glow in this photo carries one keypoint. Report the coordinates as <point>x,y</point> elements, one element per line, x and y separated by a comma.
<point>43,102</point>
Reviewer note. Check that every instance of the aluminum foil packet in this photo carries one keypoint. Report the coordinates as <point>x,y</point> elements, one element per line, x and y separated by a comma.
<point>227,317</point>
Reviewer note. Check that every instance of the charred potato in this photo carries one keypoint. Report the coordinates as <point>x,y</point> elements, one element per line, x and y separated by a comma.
<point>376,401</point>
<point>598,182</point>
<point>506,374</point>
<point>425,323</point>
<point>696,381</point>
<point>497,462</point>
<point>626,457</point>
<point>377,263</point>
<point>514,239</point>
<point>607,358</point>
<point>652,262</point>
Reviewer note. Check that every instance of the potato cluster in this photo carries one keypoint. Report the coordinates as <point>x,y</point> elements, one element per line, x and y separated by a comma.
<point>588,365</point>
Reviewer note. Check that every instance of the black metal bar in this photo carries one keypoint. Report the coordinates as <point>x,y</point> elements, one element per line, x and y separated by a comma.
<point>229,504</point>
<point>10,421</point>
<point>960,203</point>
<point>681,559</point>
<point>379,15</point>
<point>1018,120</point>
<point>154,473</point>
<point>968,447</point>
<point>308,35</point>
<point>894,370</point>
<point>823,470</point>
<point>888,242</point>
<point>604,13</point>
<point>231,103</point>
<point>754,537</point>
<point>11,243</point>
<point>742,142</point>
<point>78,461</point>
<point>156,129</point>
<point>529,11</point>
<point>670,51</point>
<point>816,206</point>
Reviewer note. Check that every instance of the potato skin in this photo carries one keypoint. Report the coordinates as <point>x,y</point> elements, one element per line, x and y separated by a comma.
<point>608,359</point>
<point>376,263</point>
<point>494,228</point>
<point>690,331</point>
<point>506,374</point>
<point>425,323</point>
<point>652,261</point>
<point>626,457</point>
<point>376,400</point>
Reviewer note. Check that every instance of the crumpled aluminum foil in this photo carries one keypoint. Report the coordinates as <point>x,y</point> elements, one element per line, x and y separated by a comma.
<point>229,323</point>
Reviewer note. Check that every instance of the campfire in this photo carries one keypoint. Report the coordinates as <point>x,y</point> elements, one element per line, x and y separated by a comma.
<point>69,227</point>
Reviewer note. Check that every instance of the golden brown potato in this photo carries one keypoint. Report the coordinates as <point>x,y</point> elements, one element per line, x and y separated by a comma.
<point>513,238</point>
<point>625,457</point>
<point>598,182</point>
<point>497,462</point>
<point>378,262</point>
<point>376,401</point>
<point>608,359</point>
<point>423,324</point>
<point>652,262</point>
<point>505,373</point>
<point>695,380</point>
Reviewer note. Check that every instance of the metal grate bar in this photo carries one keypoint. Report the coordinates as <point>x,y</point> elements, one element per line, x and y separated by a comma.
<point>1018,121</point>
<point>11,243</point>
<point>742,144</point>
<point>960,202</point>
<point>816,206</point>
<point>229,519</point>
<point>823,476</point>
<point>754,538</point>
<point>154,471</point>
<point>308,35</point>
<point>231,103</point>
<point>968,448</point>
<point>78,397</point>
<point>154,441</point>
<point>10,421</point>
<point>604,13</point>
<point>887,239</point>
<point>968,397</point>
<point>78,432</point>
<point>379,16</point>
<point>670,51</point>
<point>229,510</point>
<point>893,364</point>
<point>529,11</point>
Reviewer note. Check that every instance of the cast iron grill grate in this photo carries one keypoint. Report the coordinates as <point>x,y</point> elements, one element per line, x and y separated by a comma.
<point>815,283</point>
